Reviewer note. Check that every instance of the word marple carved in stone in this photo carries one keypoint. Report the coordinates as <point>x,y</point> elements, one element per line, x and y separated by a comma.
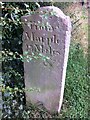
<point>47,32</point>
<point>41,43</point>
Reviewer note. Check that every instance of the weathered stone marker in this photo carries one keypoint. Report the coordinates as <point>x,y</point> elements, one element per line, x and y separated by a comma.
<point>47,32</point>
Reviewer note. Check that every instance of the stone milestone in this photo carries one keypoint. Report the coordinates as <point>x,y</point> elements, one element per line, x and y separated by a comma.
<point>46,33</point>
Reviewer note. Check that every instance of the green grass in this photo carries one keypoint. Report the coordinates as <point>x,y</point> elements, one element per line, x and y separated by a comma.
<point>75,104</point>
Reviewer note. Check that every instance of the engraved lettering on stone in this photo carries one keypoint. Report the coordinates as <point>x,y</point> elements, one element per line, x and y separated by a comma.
<point>48,41</point>
<point>36,27</point>
<point>32,36</point>
<point>29,24</point>
<point>50,50</point>
<point>42,48</point>
<point>42,39</point>
<point>55,39</point>
<point>27,36</point>
<point>37,48</point>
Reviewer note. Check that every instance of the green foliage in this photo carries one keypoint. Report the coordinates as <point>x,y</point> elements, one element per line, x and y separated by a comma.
<point>76,88</point>
<point>12,65</point>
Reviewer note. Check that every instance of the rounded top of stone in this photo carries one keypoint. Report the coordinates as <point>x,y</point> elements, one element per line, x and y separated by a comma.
<point>53,11</point>
<point>50,11</point>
